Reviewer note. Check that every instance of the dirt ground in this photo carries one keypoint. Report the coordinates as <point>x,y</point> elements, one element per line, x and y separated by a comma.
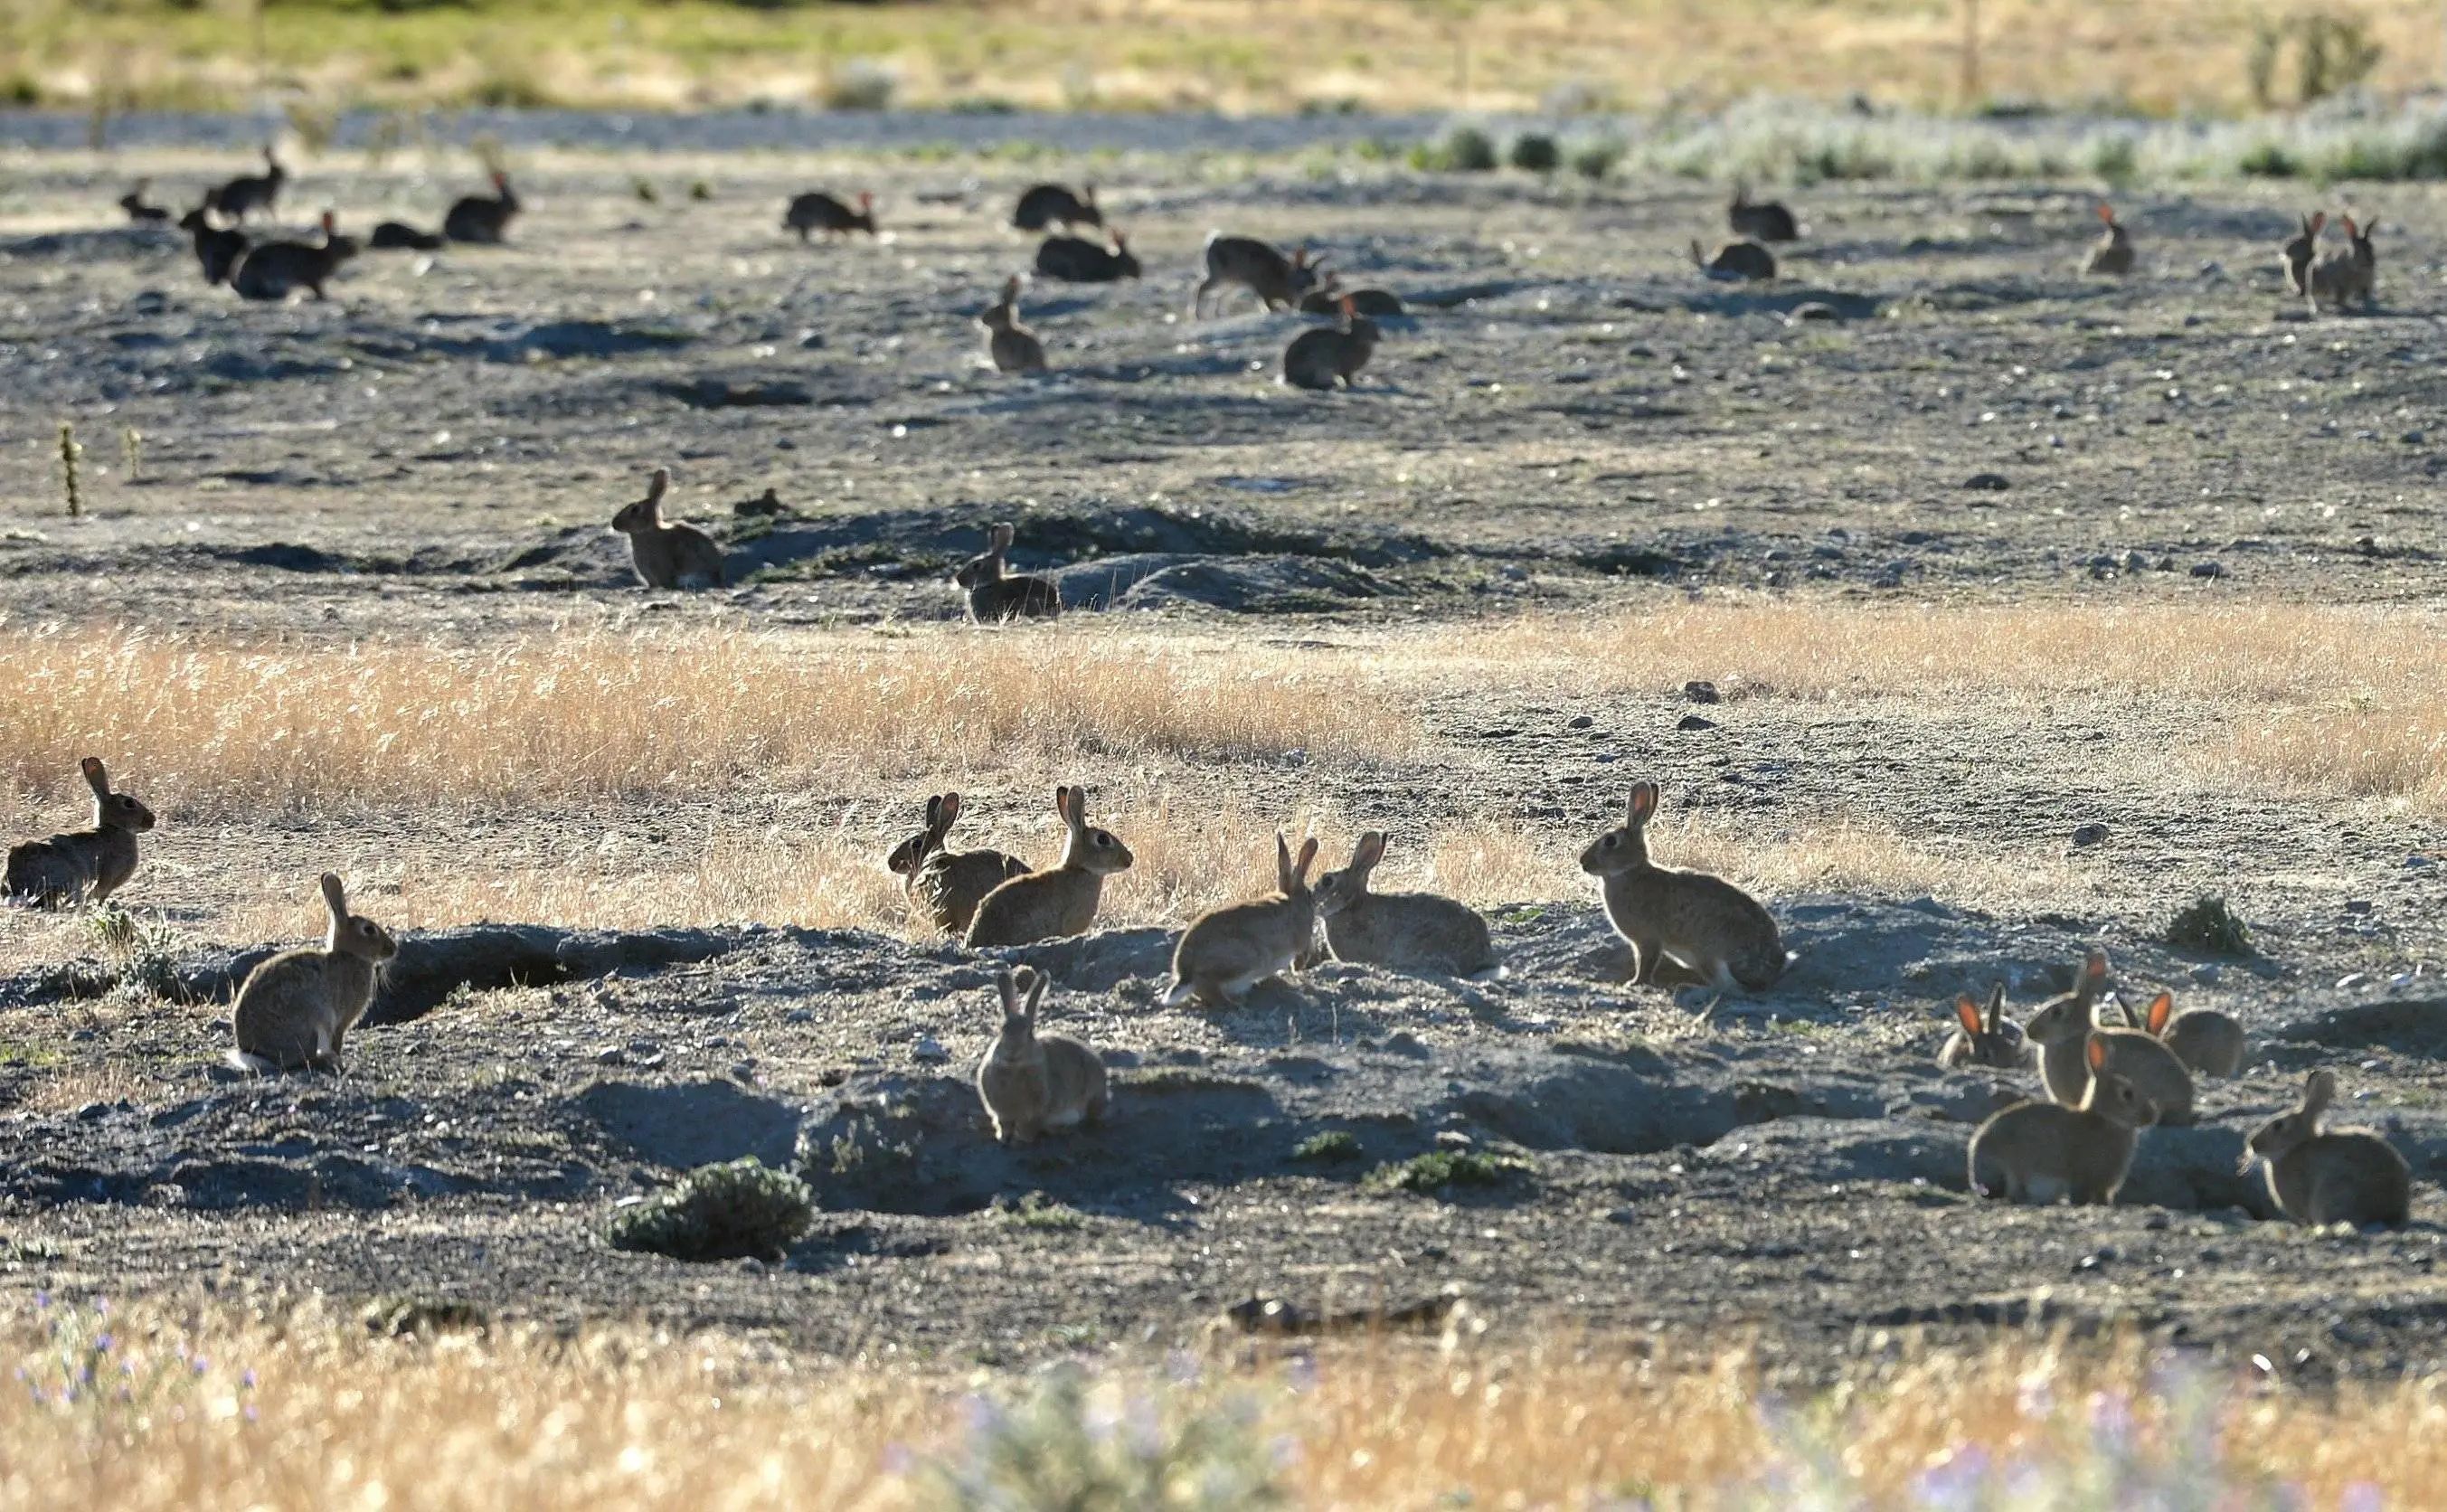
<point>1571,420</point>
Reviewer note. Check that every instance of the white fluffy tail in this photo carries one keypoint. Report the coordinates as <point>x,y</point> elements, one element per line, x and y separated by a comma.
<point>1490,974</point>
<point>252,1064</point>
<point>1178,994</point>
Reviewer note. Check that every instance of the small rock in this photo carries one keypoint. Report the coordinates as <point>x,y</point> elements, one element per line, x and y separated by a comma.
<point>928,1051</point>
<point>1452,1139</point>
<point>93,1112</point>
<point>2351,980</point>
<point>2166,564</point>
<point>1580,722</point>
<point>1778,579</point>
<point>2089,835</point>
<point>2414,438</point>
<point>744,1072</point>
<point>1987,482</point>
<point>2416,862</point>
<point>611,1055</point>
<point>798,1016</point>
<point>2209,569</point>
<point>2206,973</point>
<point>1812,309</point>
<point>1701,692</point>
<point>1621,1214</point>
<point>2357,906</point>
<point>1695,722</point>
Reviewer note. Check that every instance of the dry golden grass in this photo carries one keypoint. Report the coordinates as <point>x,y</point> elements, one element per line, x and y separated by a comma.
<point>335,1417</point>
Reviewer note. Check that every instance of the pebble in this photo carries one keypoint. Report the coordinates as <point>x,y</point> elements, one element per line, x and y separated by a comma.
<point>798,1016</point>
<point>1987,482</point>
<point>929,1050</point>
<point>2351,980</point>
<point>2136,562</point>
<point>2089,835</point>
<point>611,1055</point>
<point>1702,693</point>
<point>1812,309</point>
<point>1582,722</point>
<point>1695,722</point>
<point>2416,862</point>
<point>1513,573</point>
<point>2206,973</point>
<point>2414,438</point>
<point>2357,906</point>
<point>2209,569</point>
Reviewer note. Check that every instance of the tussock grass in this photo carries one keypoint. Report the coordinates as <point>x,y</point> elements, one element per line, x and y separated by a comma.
<point>225,1412</point>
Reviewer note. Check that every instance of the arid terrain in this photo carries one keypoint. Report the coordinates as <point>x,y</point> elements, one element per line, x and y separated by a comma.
<point>1992,554</point>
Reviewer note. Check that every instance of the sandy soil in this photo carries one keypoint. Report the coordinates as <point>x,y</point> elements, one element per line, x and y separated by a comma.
<point>1572,419</point>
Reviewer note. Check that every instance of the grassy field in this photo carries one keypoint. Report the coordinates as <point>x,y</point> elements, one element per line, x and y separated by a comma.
<point>1133,54</point>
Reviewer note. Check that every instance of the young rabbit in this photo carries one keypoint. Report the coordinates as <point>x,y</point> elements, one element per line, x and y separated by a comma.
<point>1331,356</point>
<point>1234,947</point>
<point>944,885</point>
<point>1031,1082</point>
<point>398,235</point>
<point>1053,204</point>
<point>480,218</point>
<point>295,1008</point>
<point>2344,1175</point>
<point>2301,251</point>
<point>995,593</point>
<point>1278,281</point>
<point>2043,1152</point>
<point>2140,1058</point>
<point>2059,1028</point>
<point>1379,304</point>
<point>216,250</point>
<point>1737,260</point>
<point>1993,1040</point>
<point>138,211</point>
<point>245,195</point>
<point>1766,220</point>
<point>668,555</point>
<point>1410,932</point>
<point>86,864</point>
<point>275,269</point>
<point>1061,902</point>
<point>1704,923</point>
<point>819,210</point>
<point>2112,255</point>
<point>2350,277</point>
<point>1074,261</point>
<point>1012,346</point>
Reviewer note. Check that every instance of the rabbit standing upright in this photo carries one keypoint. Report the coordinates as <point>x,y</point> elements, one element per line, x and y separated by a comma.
<point>995,593</point>
<point>82,865</point>
<point>668,555</point>
<point>1711,928</point>
<point>481,218</point>
<point>1012,346</point>
<point>296,1010</point>
<point>2112,255</point>
<point>1061,901</point>
<point>1029,1082</point>
<point>1331,356</point>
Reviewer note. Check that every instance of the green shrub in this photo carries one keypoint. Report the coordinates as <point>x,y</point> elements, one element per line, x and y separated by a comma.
<point>1463,150</point>
<point>1536,152</point>
<point>1334,1144</point>
<point>1060,1449</point>
<point>1041,1212</point>
<point>2115,160</point>
<point>2209,925</point>
<point>1596,160</point>
<point>1432,1172</point>
<point>2266,160</point>
<point>735,1211</point>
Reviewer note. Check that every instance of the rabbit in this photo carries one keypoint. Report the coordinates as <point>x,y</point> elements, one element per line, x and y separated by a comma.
<point>1278,281</point>
<point>2061,1025</point>
<point>295,1008</point>
<point>1377,304</point>
<point>1012,346</point>
<point>138,211</point>
<point>2209,1042</point>
<point>1331,356</point>
<point>666,555</point>
<point>2044,1152</point>
<point>2344,1175</point>
<point>243,196</point>
<point>1716,931</point>
<point>1074,261</point>
<point>1031,1082</point>
<point>1053,204</point>
<point>484,220</point>
<point>2113,253</point>
<point>275,269</point>
<point>1764,220</point>
<point>945,886</point>
<point>1410,932</point>
<point>2300,251</point>
<point>819,210</point>
<point>218,249</point>
<point>2350,277</point>
<point>397,236</point>
<point>1737,260</point>
<point>1061,902</point>
<point>2140,1058</point>
<point>1991,1040</point>
<point>995,593</point>
<point>89,864</point>
<point>1232,949</point>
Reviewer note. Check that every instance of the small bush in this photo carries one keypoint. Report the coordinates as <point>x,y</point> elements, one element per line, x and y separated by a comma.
<point>1334,1144</point>
<point>2209,925</point>
<point>142,954</point>
<point>2115,160</point>
<point>1463,150</point>
<point>860,84</point>
<point>1438,1169</point>
<point>1061,1448</point>
<point>735,1211</point>
<point>1041,1212</point>
<point>1535,152</point>
<point>2266,160</point>
<point>1594,160</point>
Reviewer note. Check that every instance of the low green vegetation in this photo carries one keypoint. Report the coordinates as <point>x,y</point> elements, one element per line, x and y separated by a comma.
<point>1334,1144</point>
<point>742,1210</point>
<point>2207,924</point>
<point>1438,1170</point>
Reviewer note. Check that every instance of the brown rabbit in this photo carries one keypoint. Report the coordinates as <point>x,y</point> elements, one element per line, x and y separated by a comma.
<point>218,249</point>
<point>1379,304</point>
<point>275,269</point>
<point>1705,924</point>
<point>1410,932</point>
<point>997,593</point>
<point>2205,1040</point>
<point>296,1010</point>
<point>1737,260</point>
<point>1061,902</point>
<point>1232,949</point>
<point>2112,255</point>
<point>819,210</point>
<point>1993,1040</point>
<point>1760,220</point>
<point>2342,1176</point>
<point>87,865</point>
<point>1031,1082</point>
<point>668,555</point>
<point>1074,259</point>
<point>943,885</point>
<point>2301,251</point>
<point>1053,204</point>
<point>2350,277</point>
<point>2140,1058</point>
<point>243,196</point>
<point>1277,280</point>
<point>482,219</point>
<point>1012,346</point>
<point>138,211</point>
<point>2043,1152</point>
<point>1331,356</point>
<point>2060,1027</point>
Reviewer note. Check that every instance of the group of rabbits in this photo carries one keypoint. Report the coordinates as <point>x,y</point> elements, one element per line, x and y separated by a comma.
<point>2345,277</point>
<point>2106,1082</point>
<point>272,270</point>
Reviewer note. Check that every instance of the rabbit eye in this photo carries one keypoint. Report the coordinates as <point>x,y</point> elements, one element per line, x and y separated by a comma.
<point>1612,841</point>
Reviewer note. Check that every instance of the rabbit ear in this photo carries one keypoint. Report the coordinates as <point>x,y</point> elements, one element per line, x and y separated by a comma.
<point>2319,1091</point>
<point>2162,1008</point>
<point>2369,227</point>
<point>658,486</point>
<point>2317,223</point>
<point>2095,1052</point>
<point>95,777</point>
<point>948,810</point>
<point>1282,861</point>
<point>2107,214</point>
<point>1034,991</point>
<point>1008,987</point>
<point>336,897</point>
<point>1072,802</point>
<point>1996,1007</point>
<point>1968,1014</point>
<point>2350,232</point>
<point>1370,850</point>
<point>1306,859</point>
<point>1002,537</point>
<point>2094,973</point>
<point>933,811</point>
<point>1644,802</point>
